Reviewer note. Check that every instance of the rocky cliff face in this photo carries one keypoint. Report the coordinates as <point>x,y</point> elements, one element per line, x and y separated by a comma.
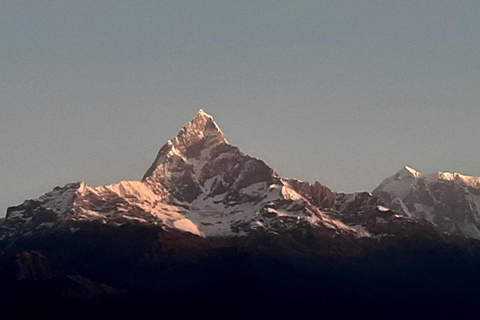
<point>364,212</point>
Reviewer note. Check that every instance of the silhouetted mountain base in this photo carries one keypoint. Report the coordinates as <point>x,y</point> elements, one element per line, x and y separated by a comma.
<point>141,271</point>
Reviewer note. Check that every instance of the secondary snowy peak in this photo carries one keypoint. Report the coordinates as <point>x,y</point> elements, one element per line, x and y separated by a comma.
<point>449,200</point>
<point>399,183</point>
<point>406,172</point>
<point>411,171</point>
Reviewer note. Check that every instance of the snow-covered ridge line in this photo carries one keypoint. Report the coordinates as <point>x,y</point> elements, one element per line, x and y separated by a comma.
<point>471,181</point>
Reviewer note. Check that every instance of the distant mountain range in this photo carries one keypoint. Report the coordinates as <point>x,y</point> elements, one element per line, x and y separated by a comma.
<point>207,222</point>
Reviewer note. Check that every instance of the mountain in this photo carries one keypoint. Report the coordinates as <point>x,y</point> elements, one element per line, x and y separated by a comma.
<point>451,201</point>
<point>201,184</point>
<point>198,183</point>
<point>212,232</point>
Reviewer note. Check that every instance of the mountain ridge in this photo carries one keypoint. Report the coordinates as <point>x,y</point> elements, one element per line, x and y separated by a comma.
<point>201,184</point>
<point>197,183</point>
<point>210,231</point>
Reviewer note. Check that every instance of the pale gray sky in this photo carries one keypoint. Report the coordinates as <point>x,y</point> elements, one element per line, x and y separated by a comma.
<point>344,92</point>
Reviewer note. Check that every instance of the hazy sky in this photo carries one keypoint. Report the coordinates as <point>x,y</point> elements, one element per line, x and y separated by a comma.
<point>344,92</point>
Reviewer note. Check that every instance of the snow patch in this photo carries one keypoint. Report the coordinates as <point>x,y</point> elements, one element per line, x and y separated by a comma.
<point>414,172</point>
<point>187,225</point>
<point>383,209</point>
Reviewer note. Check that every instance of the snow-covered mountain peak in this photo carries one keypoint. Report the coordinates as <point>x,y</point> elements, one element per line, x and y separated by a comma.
<point>202,128</point>
<point>202,113</point>
<point>204,124</point>
<point>412,171</point>
<point>400,182</point>
<point>406,172</point>
<point>197,136</point>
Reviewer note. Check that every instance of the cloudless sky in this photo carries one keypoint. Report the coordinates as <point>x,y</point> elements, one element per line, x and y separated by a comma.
<point>343,92</point>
